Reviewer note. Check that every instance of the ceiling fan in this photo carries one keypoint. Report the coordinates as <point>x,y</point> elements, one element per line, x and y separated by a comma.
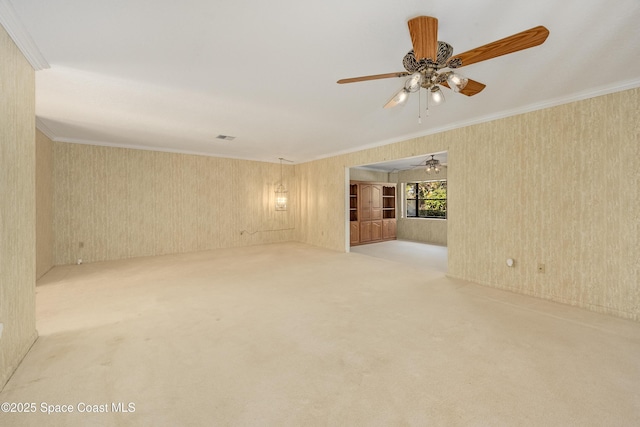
<point>431,164</point>
<point>429,60</point>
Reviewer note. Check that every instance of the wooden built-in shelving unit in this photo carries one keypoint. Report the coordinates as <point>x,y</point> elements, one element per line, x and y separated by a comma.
<point>372,212</point>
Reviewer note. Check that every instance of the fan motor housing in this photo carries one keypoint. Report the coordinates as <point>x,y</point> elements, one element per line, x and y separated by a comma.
<point>412,64</point>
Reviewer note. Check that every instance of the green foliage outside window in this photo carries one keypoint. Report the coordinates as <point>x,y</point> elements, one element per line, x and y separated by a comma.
<point>426,199</point>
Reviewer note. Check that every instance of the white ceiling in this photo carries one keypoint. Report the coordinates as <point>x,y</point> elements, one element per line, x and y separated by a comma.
<point>171,76</point>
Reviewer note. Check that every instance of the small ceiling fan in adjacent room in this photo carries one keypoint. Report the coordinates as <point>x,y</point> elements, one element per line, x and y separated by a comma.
<point>430,64</point>
<point>431,165</point>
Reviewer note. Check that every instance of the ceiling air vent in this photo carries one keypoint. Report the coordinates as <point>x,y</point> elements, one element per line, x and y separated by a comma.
<point>226,137</point>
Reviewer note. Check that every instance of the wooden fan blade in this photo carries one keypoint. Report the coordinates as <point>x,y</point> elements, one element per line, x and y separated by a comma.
<point>524,40</point>
<point>374,77</point>
<point>472,88</point>
<point>424,36</point>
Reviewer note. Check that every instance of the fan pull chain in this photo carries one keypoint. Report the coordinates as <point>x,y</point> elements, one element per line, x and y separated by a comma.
<point>427,104</point>
<point>419,108</point>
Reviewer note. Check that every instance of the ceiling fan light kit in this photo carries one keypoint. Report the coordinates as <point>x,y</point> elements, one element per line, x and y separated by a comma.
<point>429,60</point>
<point>400,97</point>
<point>457,82</point>
<point>432,165</point>
<point>436,96</point>
<point>414,83</point>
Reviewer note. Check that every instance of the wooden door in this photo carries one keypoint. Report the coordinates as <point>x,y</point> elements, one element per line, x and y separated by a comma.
<point>354,232</point>
<point>365,231</point>
<point>365,202</point>
<point>389,229</point>
<point>376,202</point>
<point>376,230</point>
<point>370,198</point>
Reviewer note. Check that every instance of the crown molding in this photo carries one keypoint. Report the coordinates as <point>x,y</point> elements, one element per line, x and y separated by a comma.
<point>575,97</point>
<point>152,148</point>
<point>45,130</point>
<point>20,36</point>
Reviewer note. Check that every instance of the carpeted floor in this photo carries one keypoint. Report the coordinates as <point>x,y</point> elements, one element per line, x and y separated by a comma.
<point>417,255</point>
<point>292,335</point>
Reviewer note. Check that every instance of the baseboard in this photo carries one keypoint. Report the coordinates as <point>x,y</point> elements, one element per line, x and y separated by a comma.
<point>584,306</point>
<point>6,376</point>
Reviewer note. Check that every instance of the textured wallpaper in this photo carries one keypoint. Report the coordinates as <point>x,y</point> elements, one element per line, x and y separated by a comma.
<point>356,174</point>
<point>44,204</point>
<point>17,206</point>
<point>113,203</point>
<point>425,230</point>
<point>558,187</point>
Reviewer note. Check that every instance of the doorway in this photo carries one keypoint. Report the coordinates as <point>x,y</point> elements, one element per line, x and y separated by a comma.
<point>421,232</point>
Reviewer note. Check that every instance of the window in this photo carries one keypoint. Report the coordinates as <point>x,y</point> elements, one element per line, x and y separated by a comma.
<point>426,199</point>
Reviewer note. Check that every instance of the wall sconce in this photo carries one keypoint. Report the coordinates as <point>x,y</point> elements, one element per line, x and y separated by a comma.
<point>281,193</point>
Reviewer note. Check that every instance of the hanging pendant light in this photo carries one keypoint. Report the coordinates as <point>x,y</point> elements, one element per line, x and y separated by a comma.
<point>281,193</point>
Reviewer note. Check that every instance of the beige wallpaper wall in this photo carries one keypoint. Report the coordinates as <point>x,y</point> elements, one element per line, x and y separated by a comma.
<point>44,204</point>
<point>561,187</point>
<point>425,230</point>
<point>17,207</point>
<point>112,203</point>
<point>357,174</point>
<point>558,186</point>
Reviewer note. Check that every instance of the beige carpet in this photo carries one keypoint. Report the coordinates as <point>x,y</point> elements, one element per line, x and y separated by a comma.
<point>417,255</point>
<point>292,335</point>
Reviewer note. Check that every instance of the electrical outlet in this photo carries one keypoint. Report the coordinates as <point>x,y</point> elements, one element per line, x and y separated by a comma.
<point>540,268</point>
